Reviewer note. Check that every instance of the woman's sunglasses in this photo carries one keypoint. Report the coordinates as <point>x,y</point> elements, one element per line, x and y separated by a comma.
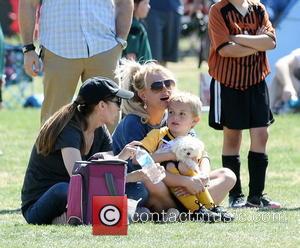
<point>158,86</point>
<point>117,101</point>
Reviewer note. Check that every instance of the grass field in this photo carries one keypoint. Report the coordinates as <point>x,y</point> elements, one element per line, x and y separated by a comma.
<point>252,228</point>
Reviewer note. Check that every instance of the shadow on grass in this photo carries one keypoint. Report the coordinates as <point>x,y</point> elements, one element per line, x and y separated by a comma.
<point>10,211</point>
<point>280,210</point>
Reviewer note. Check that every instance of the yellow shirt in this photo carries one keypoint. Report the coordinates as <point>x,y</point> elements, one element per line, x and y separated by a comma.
<point>160,140</point>
<point>157,139</point>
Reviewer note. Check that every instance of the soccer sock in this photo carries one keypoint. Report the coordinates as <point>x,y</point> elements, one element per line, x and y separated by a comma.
<point>257,166</point>
<point>205,199</point>
<point>193,202</point>
<point>233,163</point>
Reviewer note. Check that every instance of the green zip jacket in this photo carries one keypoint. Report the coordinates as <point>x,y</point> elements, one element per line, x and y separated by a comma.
<point>137,42</point>
<point>1,52</point>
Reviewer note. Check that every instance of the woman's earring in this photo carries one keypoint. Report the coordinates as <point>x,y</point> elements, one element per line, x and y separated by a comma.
<point>145,104</point>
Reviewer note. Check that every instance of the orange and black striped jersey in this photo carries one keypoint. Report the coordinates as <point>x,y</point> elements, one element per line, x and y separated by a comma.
<point>226,20</point>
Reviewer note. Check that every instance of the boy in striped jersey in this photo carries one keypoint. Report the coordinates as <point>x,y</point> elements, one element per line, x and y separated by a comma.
<point>240,34</point>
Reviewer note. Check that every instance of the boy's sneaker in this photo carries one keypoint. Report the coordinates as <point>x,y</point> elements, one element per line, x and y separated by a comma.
<point>205,215</point>
<point>225,216</point>
<point>237,201</point>
<point>262,202</point>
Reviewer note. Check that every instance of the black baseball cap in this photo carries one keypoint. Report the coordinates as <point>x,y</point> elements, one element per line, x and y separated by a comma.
<point>95,89</point>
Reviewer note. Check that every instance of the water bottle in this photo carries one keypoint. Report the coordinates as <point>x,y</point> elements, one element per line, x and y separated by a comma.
<point>148,164</point>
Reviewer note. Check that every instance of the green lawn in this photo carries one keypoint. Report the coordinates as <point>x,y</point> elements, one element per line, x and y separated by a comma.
<point>253,228</point>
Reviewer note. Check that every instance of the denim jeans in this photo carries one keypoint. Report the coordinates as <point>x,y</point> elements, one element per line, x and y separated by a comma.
<point>136,191</point>
<point>50,205</point>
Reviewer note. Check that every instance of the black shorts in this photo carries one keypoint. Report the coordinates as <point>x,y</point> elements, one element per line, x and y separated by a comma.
<point>239,109</point>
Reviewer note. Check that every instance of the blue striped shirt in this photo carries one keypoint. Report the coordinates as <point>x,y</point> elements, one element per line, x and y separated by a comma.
<point>77,28</point>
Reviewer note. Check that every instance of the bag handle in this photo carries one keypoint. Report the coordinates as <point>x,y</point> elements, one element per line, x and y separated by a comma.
<point>110,184</point>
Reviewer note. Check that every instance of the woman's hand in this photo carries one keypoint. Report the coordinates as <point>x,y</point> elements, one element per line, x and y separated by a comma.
<point>161,172</point>
<point>137,176</point>
<point>129,150</point>
<point>96,156</point>
<point>142,175</point>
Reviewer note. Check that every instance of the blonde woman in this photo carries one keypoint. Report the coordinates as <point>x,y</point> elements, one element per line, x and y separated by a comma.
<point>153,86</point>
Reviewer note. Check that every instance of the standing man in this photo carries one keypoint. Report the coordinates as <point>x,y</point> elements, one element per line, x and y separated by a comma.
<point>163,27</point>
<point>2,75</point>
<point>79,39</point>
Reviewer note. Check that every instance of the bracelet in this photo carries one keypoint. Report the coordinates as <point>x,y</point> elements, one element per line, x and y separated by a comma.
<point>122,42</point>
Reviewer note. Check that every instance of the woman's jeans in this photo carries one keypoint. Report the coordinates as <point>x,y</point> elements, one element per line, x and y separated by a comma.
<point>53,202</point>
<point>50,205</point>
<point>137,191</point>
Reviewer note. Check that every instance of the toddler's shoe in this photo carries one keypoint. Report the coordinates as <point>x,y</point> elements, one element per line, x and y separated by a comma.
<point>225,216</point>
<point>205,215</point>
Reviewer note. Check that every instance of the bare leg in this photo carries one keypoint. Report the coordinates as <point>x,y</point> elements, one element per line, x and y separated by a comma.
<point>259,137</point>
<point>222,181</point>
<point>231,141</point>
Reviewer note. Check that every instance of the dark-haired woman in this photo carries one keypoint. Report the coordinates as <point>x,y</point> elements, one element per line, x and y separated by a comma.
<point>75,132</point>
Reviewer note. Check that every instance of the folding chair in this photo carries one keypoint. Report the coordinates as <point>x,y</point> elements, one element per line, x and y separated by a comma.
<point>18,84</point>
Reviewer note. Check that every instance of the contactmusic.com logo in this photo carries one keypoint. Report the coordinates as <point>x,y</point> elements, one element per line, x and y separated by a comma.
<point>110,215</point>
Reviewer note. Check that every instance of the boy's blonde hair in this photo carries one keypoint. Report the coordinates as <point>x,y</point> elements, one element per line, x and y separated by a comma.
<point>132,76</point>
<point>187,98</point>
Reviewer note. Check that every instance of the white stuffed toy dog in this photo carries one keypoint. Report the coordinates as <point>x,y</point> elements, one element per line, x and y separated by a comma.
<point>188,150</point>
